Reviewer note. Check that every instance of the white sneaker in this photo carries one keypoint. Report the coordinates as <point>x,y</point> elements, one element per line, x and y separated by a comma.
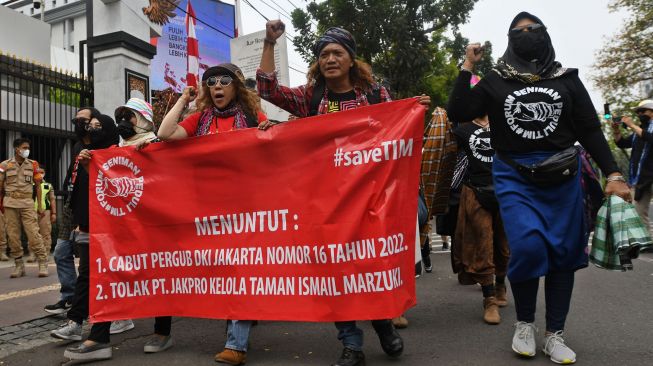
<point>523,341</point>
<point>71,331</point>
<point>557,350</point>
<point>120,326</point>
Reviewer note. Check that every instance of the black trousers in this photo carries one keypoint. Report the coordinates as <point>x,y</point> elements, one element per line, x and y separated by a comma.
<point>558,287</point>
<point>162,325</point>
<point>79,310</point>
<point>100,332</point>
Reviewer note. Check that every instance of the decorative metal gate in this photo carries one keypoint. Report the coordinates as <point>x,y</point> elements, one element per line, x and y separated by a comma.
<point>38,103</point>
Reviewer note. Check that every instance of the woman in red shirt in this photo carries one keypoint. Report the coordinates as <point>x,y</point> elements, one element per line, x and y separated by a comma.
<point>224,105</point>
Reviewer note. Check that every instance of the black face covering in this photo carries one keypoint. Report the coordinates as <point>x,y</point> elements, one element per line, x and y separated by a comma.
<point>126,129</point>
<point>80,132</point>
<point>105,137</point>
<point>530,45</point>
<point>644,118</point>
<point>97,136</point>
<point>80,127</point>
<point>524,47</point>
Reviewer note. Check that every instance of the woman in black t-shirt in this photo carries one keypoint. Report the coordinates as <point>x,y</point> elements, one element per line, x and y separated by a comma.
<point>480,251</point>
<point>537,108</point>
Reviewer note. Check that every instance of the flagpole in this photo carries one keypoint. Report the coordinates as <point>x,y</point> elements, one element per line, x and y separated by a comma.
<point>192,48</point>
<point>238,29</point>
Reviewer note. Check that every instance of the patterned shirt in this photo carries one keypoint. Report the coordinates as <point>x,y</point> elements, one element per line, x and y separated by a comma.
<point>297,100</point>
<point>438,161</point>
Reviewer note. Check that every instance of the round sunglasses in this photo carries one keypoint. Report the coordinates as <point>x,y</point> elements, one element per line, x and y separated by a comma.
<point>224,80</point>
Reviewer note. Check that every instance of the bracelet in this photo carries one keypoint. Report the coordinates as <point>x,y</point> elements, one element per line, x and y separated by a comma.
<point>616,178</point>
<point>462,68</point>
<point>269,41</point>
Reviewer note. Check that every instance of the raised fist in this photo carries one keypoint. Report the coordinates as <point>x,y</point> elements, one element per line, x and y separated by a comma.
<point>474,53</point>
<point>274,29</point>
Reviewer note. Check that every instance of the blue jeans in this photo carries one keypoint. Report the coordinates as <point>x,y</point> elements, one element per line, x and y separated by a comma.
<point>65,260</point>
<point>351,336</point>
<point>238,334</point>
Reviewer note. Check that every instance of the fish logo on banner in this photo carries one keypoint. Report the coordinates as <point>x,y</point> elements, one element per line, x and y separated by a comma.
<point>119,186</point>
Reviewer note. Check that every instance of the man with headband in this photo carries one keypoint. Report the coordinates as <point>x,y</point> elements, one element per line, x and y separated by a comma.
<point>337,81</point>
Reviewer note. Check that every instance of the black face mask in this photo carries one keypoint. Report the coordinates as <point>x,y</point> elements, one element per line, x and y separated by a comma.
<point>644,118</point>
<point>80,132</point>
<point>529,45</point>
<point>80,127</point>
<point>126,129</point>
<point>97,136</point>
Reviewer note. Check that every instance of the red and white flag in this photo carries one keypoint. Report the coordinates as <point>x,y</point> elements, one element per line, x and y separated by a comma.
<point>192,48</point>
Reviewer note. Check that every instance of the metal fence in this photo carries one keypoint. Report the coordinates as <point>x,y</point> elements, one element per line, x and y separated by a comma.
<point>38,103</point>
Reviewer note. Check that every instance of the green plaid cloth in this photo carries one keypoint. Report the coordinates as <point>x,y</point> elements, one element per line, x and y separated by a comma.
<point>619,235</point>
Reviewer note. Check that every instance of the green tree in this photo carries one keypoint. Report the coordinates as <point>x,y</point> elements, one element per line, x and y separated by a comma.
<point>626,59</point>
<point>62,96</point>
<point>403,40</point>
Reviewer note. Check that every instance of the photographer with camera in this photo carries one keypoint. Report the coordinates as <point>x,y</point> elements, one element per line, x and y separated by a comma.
<point>641,164</point>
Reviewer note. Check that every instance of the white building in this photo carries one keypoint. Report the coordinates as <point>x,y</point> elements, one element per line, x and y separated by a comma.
<point>67,19</point>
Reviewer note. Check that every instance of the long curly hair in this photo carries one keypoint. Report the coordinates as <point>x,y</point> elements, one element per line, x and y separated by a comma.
<point>360,75</point>
<point>248,99</point>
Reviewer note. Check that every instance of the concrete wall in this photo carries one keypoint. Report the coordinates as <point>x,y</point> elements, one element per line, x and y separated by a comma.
<point>109,78</point>
<point>60,37</point>
<point>126,15</point>
<point>29,38</point>
<point>65,60</point>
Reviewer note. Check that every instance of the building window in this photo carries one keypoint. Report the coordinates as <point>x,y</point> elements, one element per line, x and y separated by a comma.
<point>54,3</point>
<point>31,11</point>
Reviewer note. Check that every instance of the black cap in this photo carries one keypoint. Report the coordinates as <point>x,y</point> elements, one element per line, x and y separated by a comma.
<point>224,69</point>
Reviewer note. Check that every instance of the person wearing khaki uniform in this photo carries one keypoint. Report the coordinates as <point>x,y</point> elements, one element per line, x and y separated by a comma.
<point>17,178</point>
<point>3,237</point>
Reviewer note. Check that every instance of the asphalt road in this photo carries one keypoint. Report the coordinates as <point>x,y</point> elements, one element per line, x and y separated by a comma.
<point>610,323</point>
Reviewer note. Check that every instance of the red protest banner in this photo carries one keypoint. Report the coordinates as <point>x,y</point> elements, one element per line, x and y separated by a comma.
<point>312,220</point>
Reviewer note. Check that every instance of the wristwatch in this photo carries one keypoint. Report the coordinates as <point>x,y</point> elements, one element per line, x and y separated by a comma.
<point>616,178</point>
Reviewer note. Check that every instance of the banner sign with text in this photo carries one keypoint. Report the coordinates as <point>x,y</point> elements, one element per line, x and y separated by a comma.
<point>311,220</point>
